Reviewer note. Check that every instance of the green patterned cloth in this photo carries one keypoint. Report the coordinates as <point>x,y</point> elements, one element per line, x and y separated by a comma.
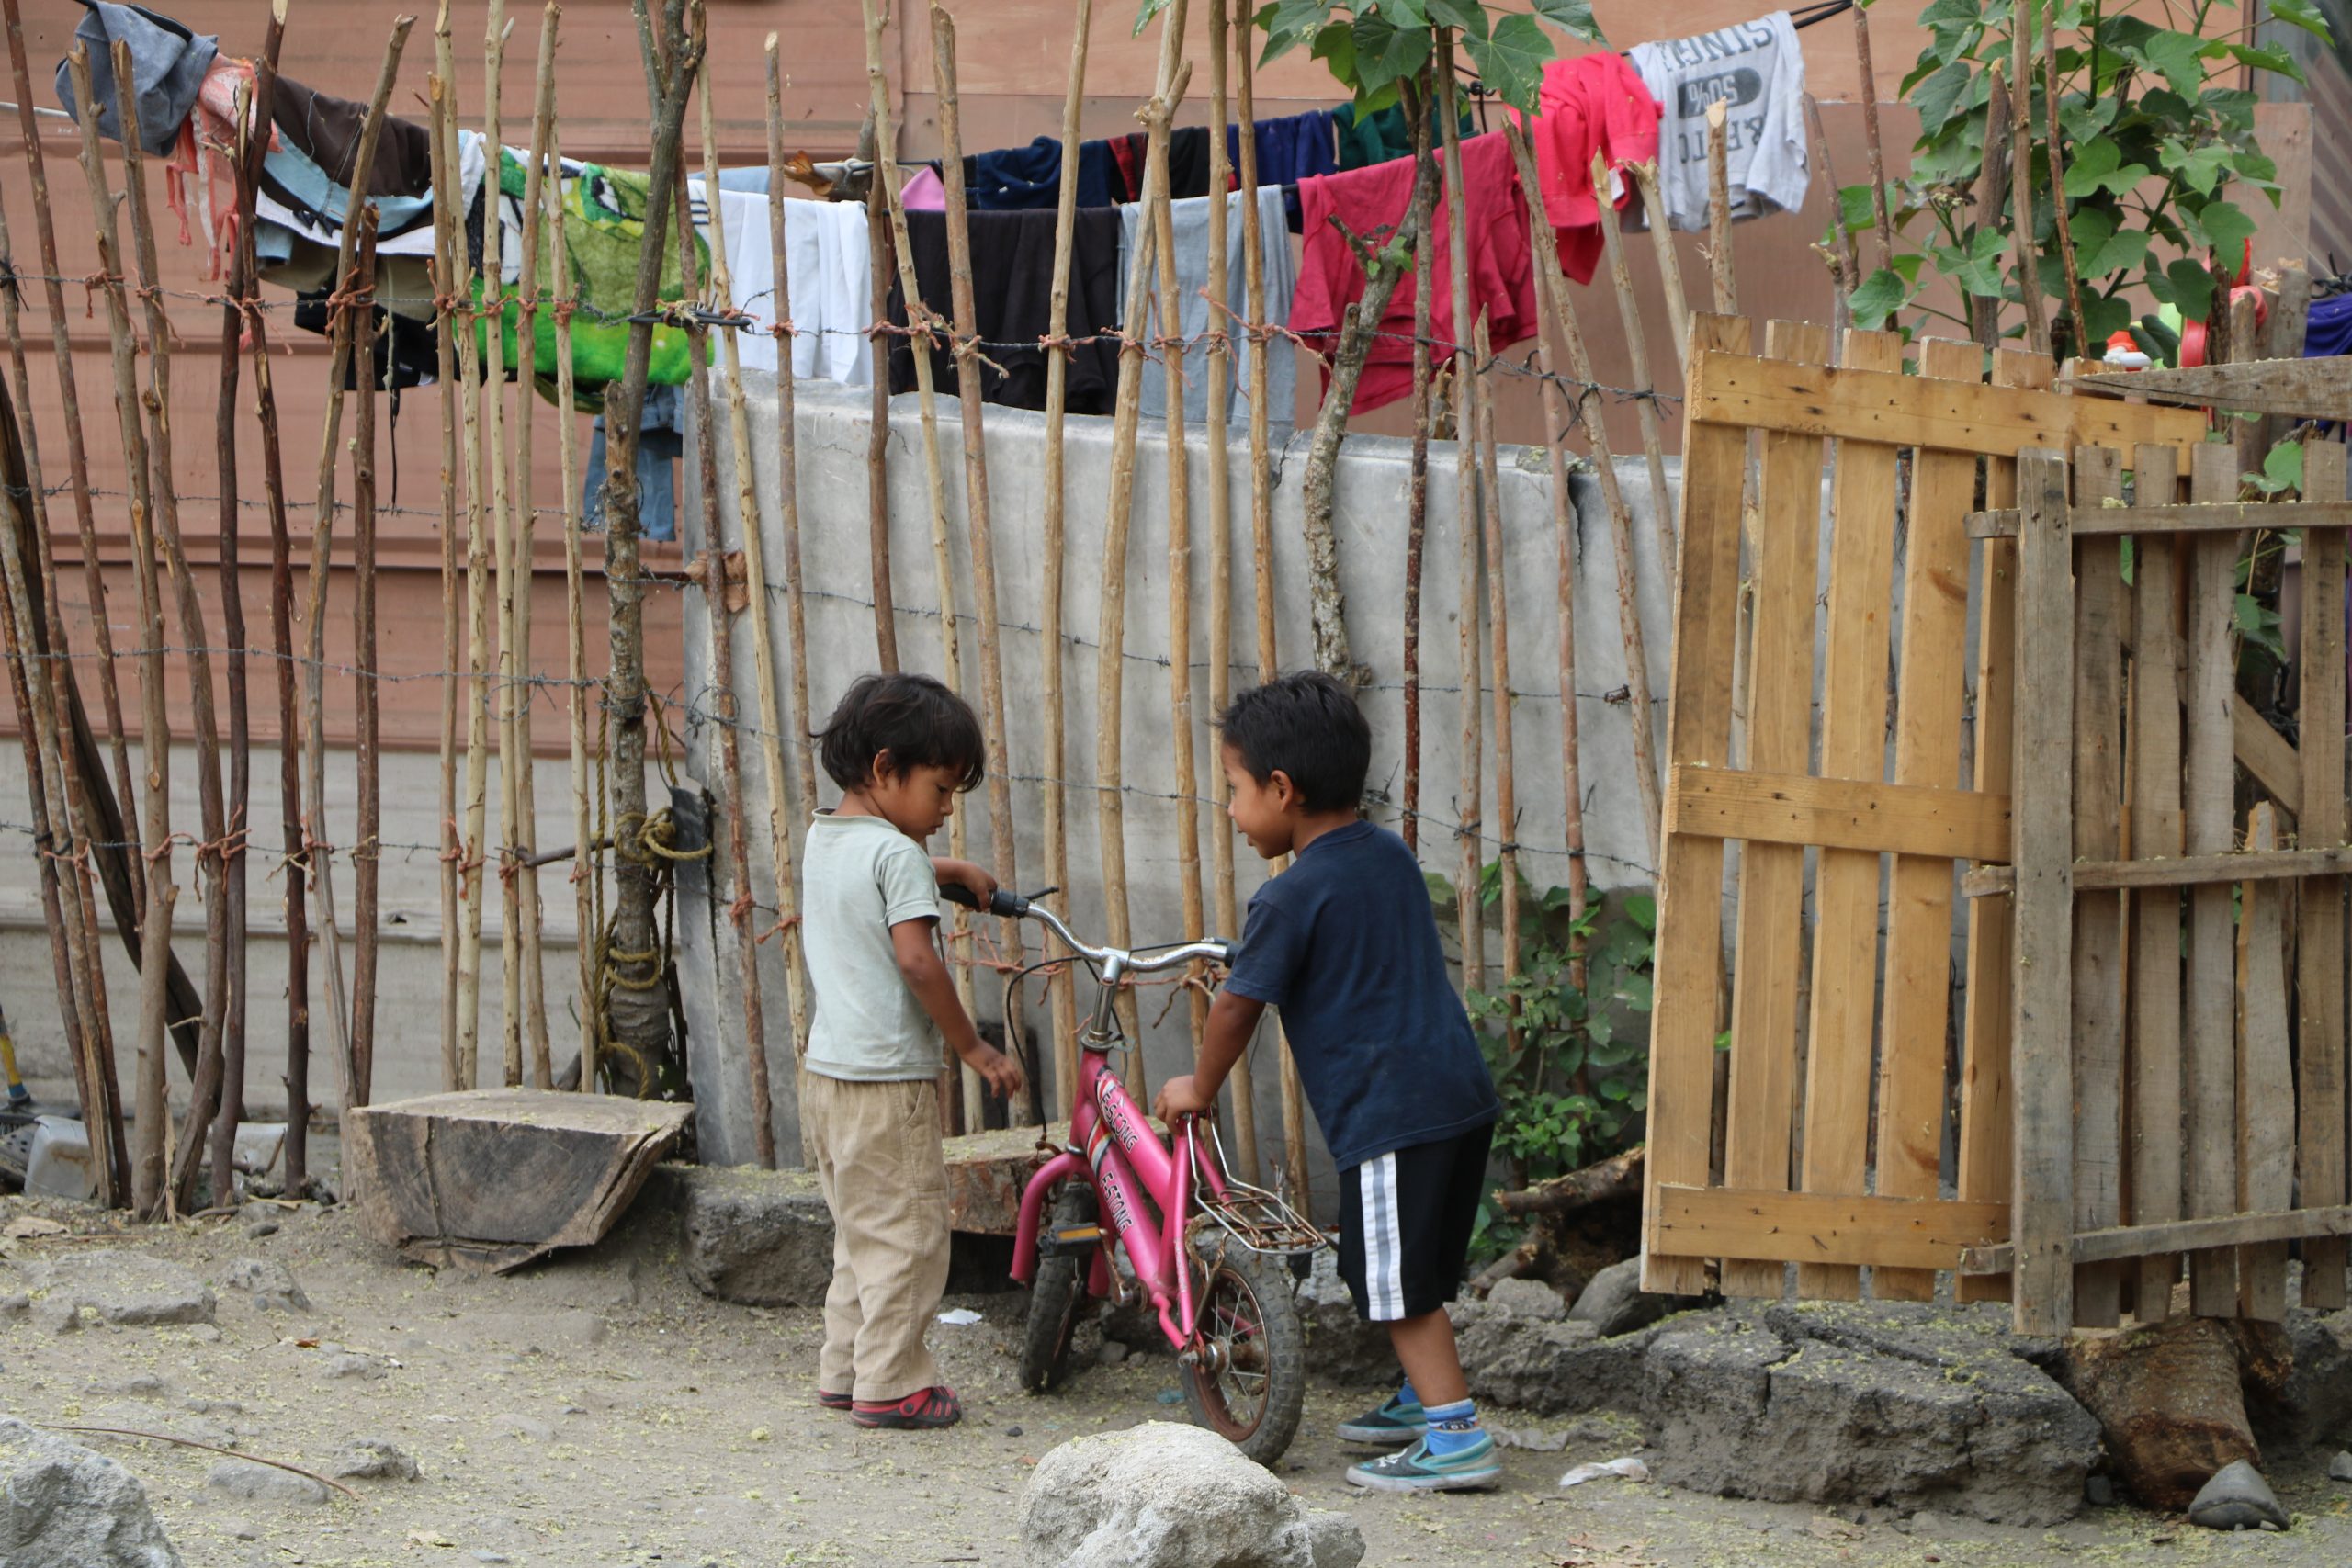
<point>1378,138</point>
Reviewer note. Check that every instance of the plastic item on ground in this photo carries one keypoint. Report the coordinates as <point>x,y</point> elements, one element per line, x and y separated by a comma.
<point>1631,1469</point>
<point>59,1166</point>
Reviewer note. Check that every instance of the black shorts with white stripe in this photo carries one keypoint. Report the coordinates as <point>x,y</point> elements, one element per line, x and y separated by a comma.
<point>1404,1224</point>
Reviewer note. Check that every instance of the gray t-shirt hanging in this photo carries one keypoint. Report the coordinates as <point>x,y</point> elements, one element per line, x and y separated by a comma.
<point>1757,69</point>
<point>1189,225</point>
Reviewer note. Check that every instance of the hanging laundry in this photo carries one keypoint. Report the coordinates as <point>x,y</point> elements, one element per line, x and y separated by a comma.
<point>301,200</point>
<point>660,444</point>
<point>825,249</point>
<point>1377,137</point>
<point>1188,162</point>
<point>201,168</point>
<point>1012,280</point>
<point>1127,153</point>
<point>1593,104</point>
<point>167,67</point>
<point>327,130</point>
<point>2329,331</point>
<point>1502,270</point>
<point>1289,150</point>
<point>1189,222</point>
<point>924,193</point>
<point>1017,179</point>
<point>1757,69</point>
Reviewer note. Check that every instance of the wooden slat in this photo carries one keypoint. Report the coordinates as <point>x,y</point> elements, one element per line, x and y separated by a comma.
<point>1908,411</point>
<point>2265,1137</point>
<point>1689,937</point>
<point>2209,1057</point>
<point>2042,912</point>
<point>2221,1231</point>
<point>2268,756</point>
<point>2319,948</point>
<point>2099,917</point>
<point>2305,388</point>
<point>2170,518</point>
<point>2178,871</point>
<point>1841,813</point>
<point>1846,880</point>
<point>1984,1101</point>
<point>1826,1230</point>
<point>1769,946</point>
<point>2155,912</point>
<point>1930,702</point>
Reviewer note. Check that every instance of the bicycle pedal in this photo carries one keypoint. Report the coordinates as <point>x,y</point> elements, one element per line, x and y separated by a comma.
<point>1072,1238</point>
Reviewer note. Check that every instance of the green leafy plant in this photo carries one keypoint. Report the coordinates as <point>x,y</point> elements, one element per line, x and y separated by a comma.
<point>1373,46</point>
<point>2159,158</point>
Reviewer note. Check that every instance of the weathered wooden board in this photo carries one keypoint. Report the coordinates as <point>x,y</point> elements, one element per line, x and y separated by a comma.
<point>496,1178</point>
<point>2305,388</point>
<point>2223,516</point>
<point>2156,910</point>
<point>1826,1230</point>
<point>1840,813</point>
<point>2178,871</point>
<point>2319,981</point>
<point>2266,1134</point>
<point>2180,1235</point>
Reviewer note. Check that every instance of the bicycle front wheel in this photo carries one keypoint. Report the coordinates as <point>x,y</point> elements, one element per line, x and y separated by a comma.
<point>1057,1300</point>
<point>1249,1383</point>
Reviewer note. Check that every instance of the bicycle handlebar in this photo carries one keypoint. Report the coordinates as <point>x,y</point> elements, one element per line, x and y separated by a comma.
<point>1010,904</point>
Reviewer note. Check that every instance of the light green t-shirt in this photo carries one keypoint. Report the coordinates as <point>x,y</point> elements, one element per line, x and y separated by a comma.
<point>860,876</point>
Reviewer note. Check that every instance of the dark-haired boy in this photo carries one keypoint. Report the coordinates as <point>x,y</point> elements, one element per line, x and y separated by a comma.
<point>1345,944</point>
<point>901,748</point>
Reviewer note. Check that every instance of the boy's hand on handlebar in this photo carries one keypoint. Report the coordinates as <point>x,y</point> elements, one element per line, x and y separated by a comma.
<point>1182,1097</point>
<point>998,1071</point>
<point>965,873</point>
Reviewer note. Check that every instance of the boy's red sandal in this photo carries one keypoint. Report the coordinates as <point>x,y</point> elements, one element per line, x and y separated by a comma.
<point>925,1408</point>
<point>833,1401</point>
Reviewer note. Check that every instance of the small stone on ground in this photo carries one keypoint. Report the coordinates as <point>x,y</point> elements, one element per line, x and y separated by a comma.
<point>372,1459</point>
<point>2340,1467</point>
<point>2238,1498</point>
<point>1160,1496</point>
<point>1528,1298</point>
<point>255,1483</point>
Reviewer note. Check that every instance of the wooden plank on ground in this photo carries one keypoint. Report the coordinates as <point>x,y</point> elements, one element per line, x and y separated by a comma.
<point>1846,879</point>
<point>1931,703</point>
<point>1842,814</point>
<point>1827,1230</point>
<point>2209,1052</point>
<point>2156,913</point>
<point>1689,966</point>
<point>2180,871</point>
<point>2305,388</point>
<point>2319,949</point>
<point>2227,516</point>
<point>2265,1133</point>
<point>2099,917</point>
<point>2042,1227</point>
<point>1984,1103</point>
<point>2180,1235</point>
<point>1769,946</point>
<point>1908,410</point>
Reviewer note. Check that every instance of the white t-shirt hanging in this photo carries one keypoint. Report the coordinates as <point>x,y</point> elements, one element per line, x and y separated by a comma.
<point>1757,69</point>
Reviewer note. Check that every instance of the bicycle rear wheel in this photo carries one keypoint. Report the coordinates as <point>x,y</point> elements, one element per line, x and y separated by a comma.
<point>1250,1381</point>
<point>1057,1300</point>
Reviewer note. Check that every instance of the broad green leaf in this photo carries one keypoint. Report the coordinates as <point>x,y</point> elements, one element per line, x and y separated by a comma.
<point>1976,267</point>
<point>1335,43</point>
<point>2123,252</point>
<point>1571,17</point>
<point>2192,288</point>
<point>1881,295</point>
<point>2301,14</point>
<point>2103,318</point>
<point>2179,58</point>
<point>2099,166</point>
<point>2198,168</point>
<point>1288,23</point>
<point>1642,909</point>
<point>1940,94</point>
<point>2284,466</point>
<point>1856,207</point>
<point>2270,57</point>
<point>2228,228</point>
<point>1385,53</point>
<point>1465,16</point>
<point>2084,120</point>
<point>1511,59</point>
<point>2254,168</point>
<point>1146,12</point>
<point>1405,12</point>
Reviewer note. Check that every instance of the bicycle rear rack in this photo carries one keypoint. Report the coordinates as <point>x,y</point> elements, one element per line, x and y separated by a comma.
<point>1259,1220</point>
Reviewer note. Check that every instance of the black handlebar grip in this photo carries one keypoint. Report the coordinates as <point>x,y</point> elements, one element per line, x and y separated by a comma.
<point>1009,904</point>
<point>956,893</point>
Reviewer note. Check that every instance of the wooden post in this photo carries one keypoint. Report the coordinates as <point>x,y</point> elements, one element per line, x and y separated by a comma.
<point>2037,318</point>
<point>1991,196</point>
<point>1110,678</point>
<point>1884,224</point>
<point>880,248</point>
<point>1556,421</point>
<point>587,867</point>
<point>1645,398</point>
<point>364,852</point>
<point>1220,401</point>
<point>1670,262</point>
<point>322,858</point>
<point>1498,636</point>
<point>1469,803</point>
<point>1719,263</point>
<point>926,329</point>
<point>77,460</point>
<point>446,220</point>
<point>149,1106</point>
<point>2042,1225</point>
<point>1060,989</point>
<point>1416,496</point>
<point>2320,819</point>
<point>1845,258</point>
<point>2058,205</point>
<point>518,629</point>
<point>244,289</point>
<point>2155,912</point>
<point>1638,667</point>
<point>472,862</point>
<point>980,539</point>
<point>493,462</point>
<point>715,574</point>
<point>165,493</point>
<point>2265,1139</point>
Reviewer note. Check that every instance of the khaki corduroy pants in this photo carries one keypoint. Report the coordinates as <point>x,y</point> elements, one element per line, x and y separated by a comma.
<point>876,1149</point>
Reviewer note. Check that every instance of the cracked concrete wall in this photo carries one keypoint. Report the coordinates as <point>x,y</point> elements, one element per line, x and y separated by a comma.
<point>1371,506</point>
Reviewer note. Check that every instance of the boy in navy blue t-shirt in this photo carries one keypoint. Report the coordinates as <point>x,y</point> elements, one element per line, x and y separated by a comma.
<point>1344,944</point>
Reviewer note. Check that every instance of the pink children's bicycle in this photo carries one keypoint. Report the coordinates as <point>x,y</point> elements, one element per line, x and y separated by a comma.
<point>1208,1250</point>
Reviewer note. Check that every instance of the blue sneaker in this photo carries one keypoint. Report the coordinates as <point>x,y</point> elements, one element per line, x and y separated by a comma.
<point>1395,1424</point>
<point>1416,1469</point>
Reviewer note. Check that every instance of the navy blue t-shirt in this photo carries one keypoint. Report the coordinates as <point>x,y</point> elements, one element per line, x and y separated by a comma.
<point>1345,944</point>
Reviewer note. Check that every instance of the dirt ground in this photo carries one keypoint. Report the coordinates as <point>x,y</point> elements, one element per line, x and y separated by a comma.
<point>598,1411</point>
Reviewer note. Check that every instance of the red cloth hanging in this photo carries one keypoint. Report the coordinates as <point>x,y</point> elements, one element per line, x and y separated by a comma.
<point>1593,104</point>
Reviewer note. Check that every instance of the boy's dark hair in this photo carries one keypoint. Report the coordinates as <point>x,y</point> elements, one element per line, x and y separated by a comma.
<point>1306,724</point>
<point>916,719</point>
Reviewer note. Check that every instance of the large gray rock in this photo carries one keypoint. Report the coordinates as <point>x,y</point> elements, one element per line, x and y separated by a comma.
<point>1162,1495</point>
<point>1909,1408</point>
<point>62,1505</point>
<point>1614,1303</point>
<point>763,1239</point>
<point>120,1288</point>
<point>1549,1367</point>
<point>2313,1404</point>
<point>1341,1346</point>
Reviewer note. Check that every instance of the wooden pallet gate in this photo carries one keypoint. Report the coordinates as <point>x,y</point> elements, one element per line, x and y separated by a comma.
<point>1852,1133</point>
